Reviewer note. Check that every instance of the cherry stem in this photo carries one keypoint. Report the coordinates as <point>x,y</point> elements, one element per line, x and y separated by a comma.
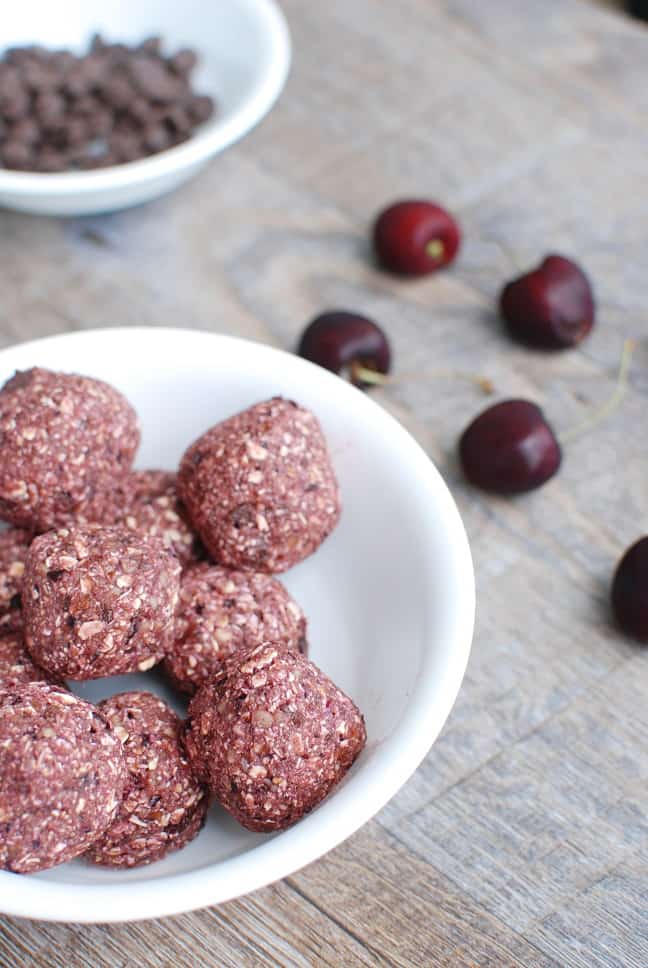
<point>613,400</point>
<point>363,374</point>
<point>435,249</point>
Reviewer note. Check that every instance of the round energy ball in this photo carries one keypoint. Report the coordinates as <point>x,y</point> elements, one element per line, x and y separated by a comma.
<point>62,775</point>
<point>272,738</point>
<point>260,488</point>
<point>65,441</point>
<point>98,601</point>
<point>16,665</point>
<point>153,507</point>
<point>14,543</point>
<point>164,805</point>
<point>223,613</point>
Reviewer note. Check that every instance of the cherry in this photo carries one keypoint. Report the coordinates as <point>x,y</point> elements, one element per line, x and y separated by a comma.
<point>509,448</point>
<point>551,307</point>
<point>630,591</point>
<point>342,340</point>
<point>413,238</point>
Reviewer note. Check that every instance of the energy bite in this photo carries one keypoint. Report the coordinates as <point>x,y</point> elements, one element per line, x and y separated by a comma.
<point>16,665</point>
<point>164,805</point>
<point>260,488</point>
<point>222,613</point>
<point>62,775</point>
<point>98,601</point>
<point>14,543</point>
<point>152,506</point>
<point>272,738</point>
<point>65,441</point>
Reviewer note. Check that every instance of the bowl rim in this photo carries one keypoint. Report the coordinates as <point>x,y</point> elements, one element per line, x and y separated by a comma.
<point>205,142</point>
<point>352,804</point>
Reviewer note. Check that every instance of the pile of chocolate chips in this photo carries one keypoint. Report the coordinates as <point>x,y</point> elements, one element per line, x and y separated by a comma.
<point>113,105</point>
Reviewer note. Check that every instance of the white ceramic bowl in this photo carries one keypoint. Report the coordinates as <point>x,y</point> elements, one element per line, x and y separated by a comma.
<point>389,598</point>
<point>244,50</point>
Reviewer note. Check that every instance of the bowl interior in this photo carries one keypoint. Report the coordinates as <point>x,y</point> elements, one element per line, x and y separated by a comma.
<point>389,599</point>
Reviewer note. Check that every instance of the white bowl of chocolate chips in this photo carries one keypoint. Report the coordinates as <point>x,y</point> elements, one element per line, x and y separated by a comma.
<point>388,597</point>
<point>105,105</point>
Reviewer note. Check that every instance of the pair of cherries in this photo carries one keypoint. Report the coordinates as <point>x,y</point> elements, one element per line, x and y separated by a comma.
<point>510,447</point>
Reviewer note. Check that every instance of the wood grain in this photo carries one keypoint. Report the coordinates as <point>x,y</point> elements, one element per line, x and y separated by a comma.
<point>523,838</point>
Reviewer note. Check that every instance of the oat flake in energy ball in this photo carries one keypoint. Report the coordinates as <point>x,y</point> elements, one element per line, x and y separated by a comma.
<point>65,441</point>
<point>260,488</point>
<point>153,507</point>
<point>62,775</point>
<point>223,613</point>
<point>17,666</point>
<point>14,543</point>
<point>99,601</point>
<point>164,805</point>
<point>272,738</point>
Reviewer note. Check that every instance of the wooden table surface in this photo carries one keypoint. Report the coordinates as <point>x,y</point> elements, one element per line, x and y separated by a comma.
<point>523,837</point>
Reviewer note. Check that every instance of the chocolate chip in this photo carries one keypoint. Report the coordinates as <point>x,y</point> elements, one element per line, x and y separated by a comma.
<point>156,138</point>
<point>17,55</point>
<point>183,62</point>
<point>132,629</point>
<point>49,108</point>
<point>25,131</point>
<point>84,105</point>
<point>100,123</point>
<point>13,104</point>
<point>76,132</point>
<point>9,78</point>
<point>62,61</point>
<point>141,109</point>
<point>178,120</point>
<point>97,68</point>
<point>76,83</point>
<point>119,53</point>
<point>38,77</point>
<point>16,154</point>
<point>118,92</point>
<point>153,79</point>
<point>242,516</point>
<point>201,108</point>
<point>152,45</point>
<point>51,160</point>
<point>125,146</point>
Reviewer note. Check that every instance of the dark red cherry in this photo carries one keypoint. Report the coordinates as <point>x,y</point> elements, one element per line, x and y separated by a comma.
<point>630,591</point>
<point>551,307</point>
<point>346,341</point>
<point>413,238</point>
<point>509,448</point>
